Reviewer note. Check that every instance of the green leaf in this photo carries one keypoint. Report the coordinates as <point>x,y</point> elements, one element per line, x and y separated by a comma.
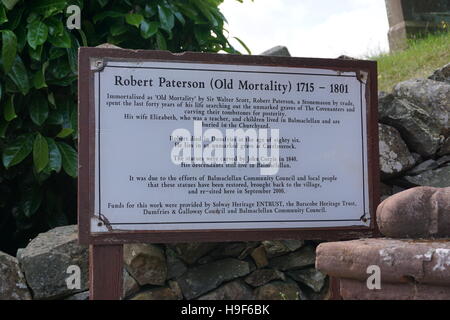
<point>70,80</point>
<point>55,117</point>
<point>205,10</point>
<point>21,34</point>
<point>64,132</point>
<point>51,99</point>
<point>3,127</point>
<point>55,53</point>
<point>69,159</point>
<point>84,41</point>
<point>39,109</point>
<point>37,33</point>
<point>47,7</point>
<point>33,16</point>
<point>102,3</point>
<point>179,17</point>
<point>189,12</point>
<point>9,4</point>
<point>8,112</point>
<point>19,76</point>
<point>17,151</point>
<point>66,108</point>
<point>166,18</point>
<point>148,29</point>
<point>202,34</point>
<point>10,87</point>
<point>9,49</point>
<point>160,41</point>
<point>72,55</point>
<point>244,45</point>
<point>62,40</point>
<point>35,54</point>
<point>107,14</point>
<point>54,159</point>
<point>15,17</point>
<point>60,68</point>
<point>40,153</point>
<point>216,12</point>
<point>31,200</point>
<point>134,19</point>
<point>55,26</point>
<point>149,10</point>
<point>39,77</point>
<point>118,29</point>
<point>3,17</point>
<point>74,122</point>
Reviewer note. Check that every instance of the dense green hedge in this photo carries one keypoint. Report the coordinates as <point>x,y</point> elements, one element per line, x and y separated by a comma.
<point>38,92</point>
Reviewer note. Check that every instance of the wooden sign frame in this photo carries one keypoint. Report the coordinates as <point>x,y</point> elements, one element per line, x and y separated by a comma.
<point>109,244</point>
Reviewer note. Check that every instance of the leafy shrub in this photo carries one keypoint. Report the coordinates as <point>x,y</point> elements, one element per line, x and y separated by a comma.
<point>38,92</point>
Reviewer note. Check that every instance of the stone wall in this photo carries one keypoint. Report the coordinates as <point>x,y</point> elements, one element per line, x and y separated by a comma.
<point>414,151</point>
<point>414,131</point>
<point>273,270</point>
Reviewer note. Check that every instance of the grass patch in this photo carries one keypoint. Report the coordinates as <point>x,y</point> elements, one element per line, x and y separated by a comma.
<point>422,57</point>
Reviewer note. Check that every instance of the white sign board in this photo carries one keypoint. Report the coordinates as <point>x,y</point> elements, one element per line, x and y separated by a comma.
<point>195,146</point>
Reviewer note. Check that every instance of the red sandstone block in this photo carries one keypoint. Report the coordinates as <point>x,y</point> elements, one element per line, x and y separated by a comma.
<point>400,261</point>
<point>357,290</point>
<point>421,212</point>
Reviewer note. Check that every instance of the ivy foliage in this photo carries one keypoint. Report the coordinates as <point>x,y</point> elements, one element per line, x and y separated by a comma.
<point>38,92</point>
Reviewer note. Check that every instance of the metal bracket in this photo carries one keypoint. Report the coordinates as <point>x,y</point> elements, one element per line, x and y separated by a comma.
<point>99,225</point>
<point>97,64</point>
<point>362,76</point>
<point>365,217</point>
